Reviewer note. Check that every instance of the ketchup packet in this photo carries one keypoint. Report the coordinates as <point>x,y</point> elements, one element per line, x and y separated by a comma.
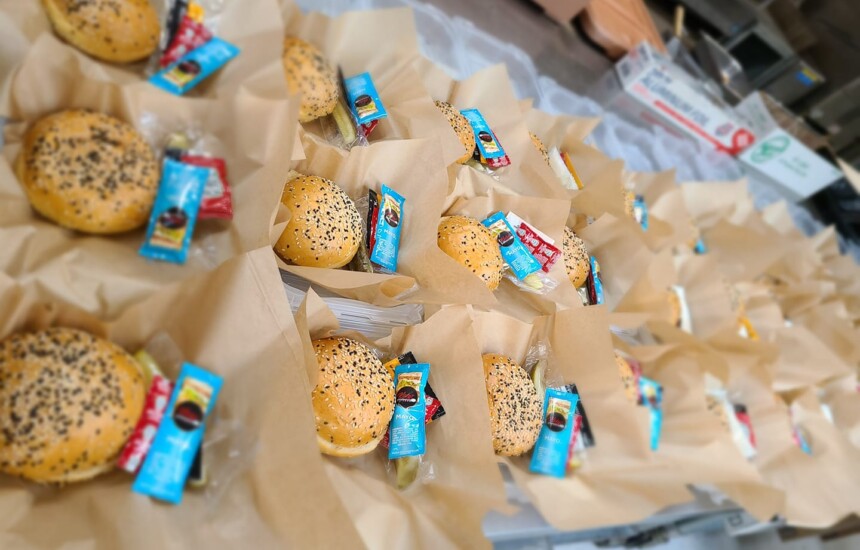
<point>137,447</point>
<point>372,217</point>
<point>594,284</point>
<point>539,244</point>
<point>189,36</point>
<point>217,199</point>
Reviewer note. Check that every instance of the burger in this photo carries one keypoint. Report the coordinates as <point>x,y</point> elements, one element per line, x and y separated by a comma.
<point>539,145</point>
<point>576,258</point>
<point>629,378</point>
<point>473,246</point>
<point>461,127</point>
<point>88,171</point>
<point>120,32</point>
<point>516,410</point>
<point>69,401</point>
<point>325,227</point>
<point>353,400</point>
<point>309,73</point>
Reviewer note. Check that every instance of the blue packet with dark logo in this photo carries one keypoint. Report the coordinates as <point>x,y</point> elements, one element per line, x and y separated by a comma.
<point>407,435</point>
<point>651,395</point>
<point>174,214</point>
<point>640,211</point>
<point>484,137</point>
<point>700,247</point>
<point>193,67</point>
<point>363,99</point>
<point>514,252</point>
<point>179,435</point>
<point>389,224</point>
<point>550,455</point>
<point>595,284</point>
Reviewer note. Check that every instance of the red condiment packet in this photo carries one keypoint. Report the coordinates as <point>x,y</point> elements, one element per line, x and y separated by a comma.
<point>137,447</point>
<point>217,199</point>
<point>544,252</point>
<point>189,36</point>
<point>369,127</point>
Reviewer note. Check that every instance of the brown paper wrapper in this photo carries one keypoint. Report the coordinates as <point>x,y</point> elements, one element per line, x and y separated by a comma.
<point>233,322</point>
<point>744,253</point>
<point>604,182</point>
<point>692,440</point>
<point>560,130</point>
<point>831,324</point>
<point>448,508</point>
<point>413,168</point>
<point>257,30</point>
<point>351,41</point>
<point>804,360</point>
<point>102,275</point>
<point>621,481</point>
<point>619,247</point>
<point>489,90</point>
<point>815,482</point>
<point>711,202</point>
<point>546,215</point>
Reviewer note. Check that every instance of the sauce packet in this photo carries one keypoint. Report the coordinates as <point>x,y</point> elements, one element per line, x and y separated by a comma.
<point>386,230</point>
<point>217,200</point>
<point>746,437</point>
<point>179,435</point>
<point>640,212</point>
<point>594,284</point>
<point>174,214</point>
<point>585,425</point>
<point>364,101</point>
<point>514,252</point>
<point>541,246</point>
<point>193,67</point>
<point>407,435</point>
<point>488,150</point>
<point>189,35</point>
<point>700,247</point>
<point>551,452</point>
<point>133,454</point>
<point>651,396</point>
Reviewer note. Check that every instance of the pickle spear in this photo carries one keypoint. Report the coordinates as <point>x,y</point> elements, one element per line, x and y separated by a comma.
<point>407,470</point>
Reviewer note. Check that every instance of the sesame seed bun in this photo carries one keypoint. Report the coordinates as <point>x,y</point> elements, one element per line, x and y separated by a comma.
<point>539,145</point>
<point>88,171</point>
<point>325,228</point>
<point>629,199</point>
<point>628,378</point>
<point>462,128</point>
<point>354,397</point>
<point>68,403</point>
<point>120,31</point>
<point>576,258</point>
<point>309,73</point>
<point>515,407</point>
<point>473,246</point>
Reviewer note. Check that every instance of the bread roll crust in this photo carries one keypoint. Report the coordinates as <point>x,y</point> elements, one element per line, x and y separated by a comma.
<point>324,229</point>
<point>354,397</point>
<point>461,127</point>
<point>88,171</point>
<point>539,145</point>
<point>119,31</point>
<point>577,261</point>
<point>473,246</point>
<point>68,403</point>
<point>516,410</point>
<point>308,72</point>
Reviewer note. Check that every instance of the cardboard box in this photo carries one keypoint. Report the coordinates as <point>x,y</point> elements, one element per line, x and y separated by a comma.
<point>667,95</point>
<point>780,153</point>
<point>562,11</point>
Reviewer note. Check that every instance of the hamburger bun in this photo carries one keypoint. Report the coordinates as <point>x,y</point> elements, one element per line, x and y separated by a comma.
<point>539,145</point>
<point>576,258</point>
<point>628,378</point>
<point>88,171</point>
<point>325,227</point>
<point>516,410</point>
<point>473,246</point>
<point>629,200</point>
<point>354,397</point>
<point>68,403</point>
<point>310,74</point>
<point>461,127</point>
<point>119,32</point>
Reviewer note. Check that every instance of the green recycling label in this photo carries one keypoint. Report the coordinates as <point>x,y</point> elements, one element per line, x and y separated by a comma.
<point>769,149</point>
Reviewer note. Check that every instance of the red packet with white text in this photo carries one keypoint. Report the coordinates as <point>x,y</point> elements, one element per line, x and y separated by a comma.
<point>137,447</point>
<point>217,198</point>
<point>541,246</point>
